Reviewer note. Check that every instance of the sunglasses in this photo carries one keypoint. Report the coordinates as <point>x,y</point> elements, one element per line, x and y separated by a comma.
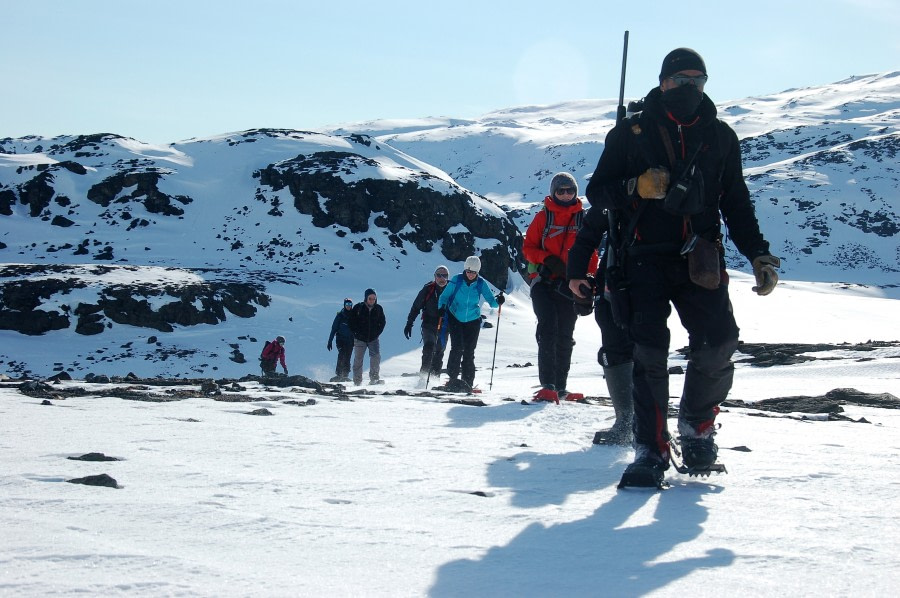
<point>565,191</point>
<point>441,275</point>
<point>470,271</point>
<point>698,80</point>
<point>346,303</point>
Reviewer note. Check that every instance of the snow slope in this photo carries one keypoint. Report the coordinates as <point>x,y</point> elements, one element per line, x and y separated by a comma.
<point>405,495</point>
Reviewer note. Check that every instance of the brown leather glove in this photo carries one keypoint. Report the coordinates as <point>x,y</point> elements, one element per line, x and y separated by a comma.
<point>764,271</point>
<point>653,184</point>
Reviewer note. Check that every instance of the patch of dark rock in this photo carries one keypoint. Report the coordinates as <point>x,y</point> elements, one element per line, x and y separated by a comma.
<point>301,403</point>
<point>60,376</point>
<point>676,370</point>
<point>771,354</point>
<point>96,480</point>
<point>33,386</point>
<point>93,457</point>
<point>262,411</point>
<point>527,364</point>
<point>234,398</point>
<point>46,402</point>
<point>468,402</point>
<point>481,493</point>
<point>829,403</point>
<point>210,388</point>
<point>285,381</point>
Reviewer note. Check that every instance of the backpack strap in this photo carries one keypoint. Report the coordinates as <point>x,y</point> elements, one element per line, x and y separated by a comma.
<point>480,283</point>
<point>457,284</point>
<point>432,288</point>
<point>551,230</point>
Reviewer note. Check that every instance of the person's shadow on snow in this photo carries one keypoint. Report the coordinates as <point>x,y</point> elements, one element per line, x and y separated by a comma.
<point>603,554</point>
<point>508,411</point>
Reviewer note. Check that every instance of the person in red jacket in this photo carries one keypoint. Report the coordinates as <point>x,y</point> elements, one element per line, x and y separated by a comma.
<point>547,242</point>
<point>272,353</point>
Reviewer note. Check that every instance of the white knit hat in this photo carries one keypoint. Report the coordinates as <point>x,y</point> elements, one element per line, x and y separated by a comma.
<point>473,263</point>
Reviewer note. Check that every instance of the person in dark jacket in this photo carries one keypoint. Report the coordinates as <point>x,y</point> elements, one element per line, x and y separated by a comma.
<point>670,175</point>
<point>340,331</point>
<point>367,323</point>
<point>616,347</point>
<point>546,247</point>
<point>271,354</point>
<point>426,303</point>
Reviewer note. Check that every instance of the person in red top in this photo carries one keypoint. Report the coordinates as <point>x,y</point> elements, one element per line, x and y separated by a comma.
<point>272,353</point>
<point>547,242</point>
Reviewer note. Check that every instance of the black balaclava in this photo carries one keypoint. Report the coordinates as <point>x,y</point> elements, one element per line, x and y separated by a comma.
<point>682,102</point>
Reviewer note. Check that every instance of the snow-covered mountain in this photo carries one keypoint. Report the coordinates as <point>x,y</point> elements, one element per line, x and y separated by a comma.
<point>155,247</point>
<point>821,163</point>
<point>177,260</point>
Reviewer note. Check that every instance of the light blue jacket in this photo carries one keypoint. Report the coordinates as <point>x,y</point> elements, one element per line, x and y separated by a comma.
<point>466,298</point>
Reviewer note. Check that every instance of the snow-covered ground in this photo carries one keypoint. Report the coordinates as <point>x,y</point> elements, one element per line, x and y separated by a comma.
<point>393,495</point>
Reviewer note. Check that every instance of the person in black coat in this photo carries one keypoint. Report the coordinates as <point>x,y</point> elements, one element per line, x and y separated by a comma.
<point>426,303</point>
<point>670,175</point>
<point>340,331</point>
<point>616,347</point>
<point>367,322</point>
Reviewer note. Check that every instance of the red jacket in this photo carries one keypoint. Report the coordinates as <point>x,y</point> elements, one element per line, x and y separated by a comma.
<point>275,352</point>
<point>558,240</point>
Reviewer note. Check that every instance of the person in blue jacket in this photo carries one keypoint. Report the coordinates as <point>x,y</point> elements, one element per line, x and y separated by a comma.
<point>462,300</point>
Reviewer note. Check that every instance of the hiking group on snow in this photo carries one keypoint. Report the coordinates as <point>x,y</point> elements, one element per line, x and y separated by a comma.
<point>669,176</point>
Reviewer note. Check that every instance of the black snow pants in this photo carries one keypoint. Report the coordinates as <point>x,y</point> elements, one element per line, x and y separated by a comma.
<point>657,283</point>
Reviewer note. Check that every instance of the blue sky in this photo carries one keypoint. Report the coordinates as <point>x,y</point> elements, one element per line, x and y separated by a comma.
<point>169,70</point>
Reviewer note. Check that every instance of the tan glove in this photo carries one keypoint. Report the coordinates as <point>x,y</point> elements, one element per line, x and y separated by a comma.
<point>764,271</point>
<point>653,184</point>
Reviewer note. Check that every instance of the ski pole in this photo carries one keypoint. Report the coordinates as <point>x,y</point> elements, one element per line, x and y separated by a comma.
<point>433,349</point>
<point>494,359</point>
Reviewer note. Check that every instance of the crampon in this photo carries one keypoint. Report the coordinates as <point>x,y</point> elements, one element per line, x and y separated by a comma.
<point>696,471</point>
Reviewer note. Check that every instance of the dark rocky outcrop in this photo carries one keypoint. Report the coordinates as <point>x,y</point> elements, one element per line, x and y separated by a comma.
<point>96,480</point>
<point>320,190</point>
<point>190,304</point>
<point>146,191</point>
<point>830,403</point>
<point>93,457</point>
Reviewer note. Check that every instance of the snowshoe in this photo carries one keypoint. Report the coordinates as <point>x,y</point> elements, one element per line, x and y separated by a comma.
<point>565,395</point>
<point>647,471</point>
<point>454,385</point>
<point>546,394</point>
<point>644,474</point>
<point>694,452</point>
<point>702,460</point>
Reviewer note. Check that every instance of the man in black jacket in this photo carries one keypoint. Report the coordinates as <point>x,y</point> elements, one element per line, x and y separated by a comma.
<point>426,303</point>
<point>668,174</point>
<point>367,323</point>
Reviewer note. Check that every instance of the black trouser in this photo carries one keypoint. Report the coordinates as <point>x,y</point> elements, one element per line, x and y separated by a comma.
<point>463,339</point>
<point>432,351</point>
<point>657,282</point>
<point>616,347</point>
<point>556,322</point>
<point>345,351</point>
